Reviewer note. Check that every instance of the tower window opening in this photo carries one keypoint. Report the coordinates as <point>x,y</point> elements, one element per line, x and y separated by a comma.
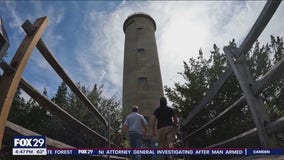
<point>142,81</point>
<point>140,50</point>
<point>139,28</point>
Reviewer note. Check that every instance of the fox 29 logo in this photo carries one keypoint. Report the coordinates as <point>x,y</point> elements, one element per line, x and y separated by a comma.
<point>29,142</point>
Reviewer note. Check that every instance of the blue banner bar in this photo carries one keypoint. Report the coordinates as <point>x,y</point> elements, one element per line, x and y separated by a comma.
<point>148,151</point>
<point>155,151</point>
<point>260,151</point>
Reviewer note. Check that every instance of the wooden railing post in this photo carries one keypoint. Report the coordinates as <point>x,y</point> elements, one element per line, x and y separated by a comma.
<point>9,82</point>
<point>109,133</point>
<point>255,102</point>
<point>47,54</point>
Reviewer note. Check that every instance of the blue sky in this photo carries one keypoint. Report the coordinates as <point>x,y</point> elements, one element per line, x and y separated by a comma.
<point>87,37</point>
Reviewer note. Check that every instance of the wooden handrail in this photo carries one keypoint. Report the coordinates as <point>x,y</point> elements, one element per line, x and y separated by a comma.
<point>14,128</point>
<point>261,22</point>
<point>9,83</point>
<point>273,127</point>
<point>47,54</point>
<point>58,111</point>
<point>271,76</point>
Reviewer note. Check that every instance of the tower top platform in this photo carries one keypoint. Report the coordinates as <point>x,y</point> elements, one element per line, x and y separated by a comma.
<point>135,15</point>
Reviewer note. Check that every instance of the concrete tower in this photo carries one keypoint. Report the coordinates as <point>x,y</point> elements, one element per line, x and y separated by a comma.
<point>142,82</point>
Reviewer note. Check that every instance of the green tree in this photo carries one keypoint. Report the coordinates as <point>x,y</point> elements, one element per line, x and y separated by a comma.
<point>109,108</point>
<point>201,73</point>
<point>18,108</point>
<point>27,113</point>
<point>35,117</point>
<point>57,128</point>
<point>276,99</point>
<point>61,95</point>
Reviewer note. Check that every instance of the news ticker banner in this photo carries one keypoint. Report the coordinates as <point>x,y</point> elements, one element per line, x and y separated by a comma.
<point>155,151</point>
<point>36,145</point>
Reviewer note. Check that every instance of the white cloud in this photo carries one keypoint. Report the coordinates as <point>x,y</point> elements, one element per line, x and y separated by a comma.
<point>182,29</point>
<point>275,26</point>
<point>42,73</point>
<point>15,20</point>
<point>181,32</point>
<point>55,14</point>
<point>102,60</point>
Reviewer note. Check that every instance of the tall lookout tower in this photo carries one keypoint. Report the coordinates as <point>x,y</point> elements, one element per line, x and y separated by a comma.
<point>142,82</point>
